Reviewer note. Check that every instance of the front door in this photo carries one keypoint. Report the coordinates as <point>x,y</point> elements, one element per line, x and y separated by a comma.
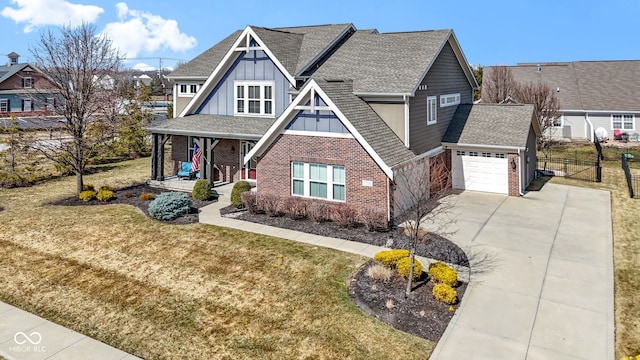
<point>248,169</point>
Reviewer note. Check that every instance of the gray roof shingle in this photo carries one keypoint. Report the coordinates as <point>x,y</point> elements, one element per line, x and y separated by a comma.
<point>587,85</point>
<point>229,127</point>
<point>505,125</point>
<point>372,128</point>
<point>294,47</point>
<point>390,63</point>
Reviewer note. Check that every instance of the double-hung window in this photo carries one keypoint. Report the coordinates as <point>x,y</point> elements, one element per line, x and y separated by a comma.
<point>432,110</point>
<point>27,82</point>
<point>4,105</point>
<point>622,122</point>
<point>318,181</point>
<point>254,98</point>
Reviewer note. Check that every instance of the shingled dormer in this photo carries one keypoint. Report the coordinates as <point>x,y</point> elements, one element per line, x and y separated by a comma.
<point>13,59</point>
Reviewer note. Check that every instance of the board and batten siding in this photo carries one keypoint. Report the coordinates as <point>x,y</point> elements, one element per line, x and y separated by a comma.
<point>445,77</point>
<point>254,65</point>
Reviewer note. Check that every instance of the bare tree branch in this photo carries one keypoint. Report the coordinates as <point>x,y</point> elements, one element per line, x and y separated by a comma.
<point>497,84</point>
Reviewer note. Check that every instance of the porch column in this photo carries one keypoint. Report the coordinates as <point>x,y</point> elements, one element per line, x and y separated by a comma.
<point>154,155</point>
<point>162,140</point>
<point>209,158</point>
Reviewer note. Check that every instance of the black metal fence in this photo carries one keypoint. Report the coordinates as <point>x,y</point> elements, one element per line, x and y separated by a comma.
<point>571,168</point>
<point>633,181</point>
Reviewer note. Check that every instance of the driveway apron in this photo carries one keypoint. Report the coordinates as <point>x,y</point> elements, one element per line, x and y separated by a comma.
<point>541,276</point>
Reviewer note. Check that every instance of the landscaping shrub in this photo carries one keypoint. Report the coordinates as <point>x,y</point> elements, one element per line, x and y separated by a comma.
<point>249,201</point>
<point>201,190</point>
<point>271,204</point>
<point>389,258</point>
<point>318,211</point>
<point>379,272</point>
<point>104,194</point>
<point>87,195</point>
<point>239,188</point>
<point>374,219</point>
<point>170,205</point>
<point>442,273</point>
<point>88,187</point>
<point>403,266</point>
<point>295,208</point>
<point>445,293</point>
<point>344,215</point>
<point>147,196</point>
<point>106,187</point>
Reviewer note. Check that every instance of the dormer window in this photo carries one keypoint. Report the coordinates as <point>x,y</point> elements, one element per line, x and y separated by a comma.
<point>254,98</point>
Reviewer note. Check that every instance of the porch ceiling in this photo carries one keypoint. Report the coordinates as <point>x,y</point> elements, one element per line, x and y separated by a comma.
<point>216,126</point>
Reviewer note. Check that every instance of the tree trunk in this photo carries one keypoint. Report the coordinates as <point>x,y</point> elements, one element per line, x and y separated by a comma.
<point>79,183</point>
<point>412,257</point>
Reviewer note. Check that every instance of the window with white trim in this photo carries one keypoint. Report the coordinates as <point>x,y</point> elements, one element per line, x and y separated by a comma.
<point>486,154</point>
<point>26,105</point>
<point>500,156</point>
<point>622,122</point>
<point>27,82</point>
<point>318,181</point>
<point>4,105</point>
<point>449,100</point>
<point>254,98</point>
<point>183,88</point>
<point>557,122</point>
<point>432,110</point>
<point>188,90</point>
<point>460,153</point>
<point>473,153</point>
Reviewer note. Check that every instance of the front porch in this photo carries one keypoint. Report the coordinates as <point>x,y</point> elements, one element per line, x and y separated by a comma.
<point>176,183</point>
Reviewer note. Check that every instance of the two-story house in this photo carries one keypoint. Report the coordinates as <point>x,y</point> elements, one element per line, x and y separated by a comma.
<point>592,95</point>
<point>22,89</point>
<point>332,113</point>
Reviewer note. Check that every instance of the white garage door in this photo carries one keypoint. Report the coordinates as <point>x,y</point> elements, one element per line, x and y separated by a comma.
<point>480,171</point>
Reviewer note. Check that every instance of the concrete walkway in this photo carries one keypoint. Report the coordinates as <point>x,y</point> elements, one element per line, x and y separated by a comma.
<point>26,336</point>
<point>542,277</point>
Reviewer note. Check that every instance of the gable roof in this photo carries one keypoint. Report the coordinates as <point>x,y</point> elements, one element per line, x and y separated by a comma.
<point>375,136</point>
<point>389,63</point>
<point>492,125</point>
<point>7,71</point>
<point>295,48</point>
<point>588,85</point>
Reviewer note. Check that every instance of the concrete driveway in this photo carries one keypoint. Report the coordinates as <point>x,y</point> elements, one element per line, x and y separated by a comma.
<point>541,276</point>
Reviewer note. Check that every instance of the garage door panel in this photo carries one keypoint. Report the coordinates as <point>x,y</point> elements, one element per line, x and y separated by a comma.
<point>479,173</point>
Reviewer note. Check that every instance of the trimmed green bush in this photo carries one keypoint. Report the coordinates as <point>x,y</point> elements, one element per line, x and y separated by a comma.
<point>201,190</point>
<point>403,266</point>
<point>170,205</point>
<point>443,274</point>
<point>87,195</point>
<point>106,187</point>
<point>88,187</point>
<point>445,293</point>
<point>239,188</point>
<point>389,258</point>
<point>104,194</point>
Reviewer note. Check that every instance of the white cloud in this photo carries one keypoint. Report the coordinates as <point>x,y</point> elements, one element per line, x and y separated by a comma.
<point>139,31</point>
<point>143,67</point>
<point>50,12</point>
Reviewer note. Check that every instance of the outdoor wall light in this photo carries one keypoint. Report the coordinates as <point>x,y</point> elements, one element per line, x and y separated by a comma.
<point>233,149</point>
<point>513,164</point>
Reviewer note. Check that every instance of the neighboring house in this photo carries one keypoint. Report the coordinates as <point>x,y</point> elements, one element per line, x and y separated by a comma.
<point>592,94</point>
<point>332,113</point>
<point>18,94</point>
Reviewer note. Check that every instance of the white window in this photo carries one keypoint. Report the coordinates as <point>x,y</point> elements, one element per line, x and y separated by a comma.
<point>183,88</point>
<point>27,82</point>
<point>193,88</point>
<point>449,100</point>
<point>500,156</point>
<point>473,153</point>
<point>460,153</point>
<point>557,122</point>
<point>622,122</point>
<point>486,154</point>
<point>26,105</point>
<point>318,181</point>
<point>254,98</point>
<point>432,106</point>
<point>4,105</point>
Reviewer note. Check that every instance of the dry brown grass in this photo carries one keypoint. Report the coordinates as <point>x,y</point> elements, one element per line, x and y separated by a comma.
<point>379,272</point>
<point>181,291</point>
<point>626,250</point>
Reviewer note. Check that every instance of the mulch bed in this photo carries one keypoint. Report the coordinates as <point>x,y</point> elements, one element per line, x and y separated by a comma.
<point>131,196</point>
<point>419,314</point>
<point>436,247</point>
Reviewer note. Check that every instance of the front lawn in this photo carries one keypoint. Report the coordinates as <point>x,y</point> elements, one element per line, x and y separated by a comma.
<point>626,240</point>
<point>164,291</point>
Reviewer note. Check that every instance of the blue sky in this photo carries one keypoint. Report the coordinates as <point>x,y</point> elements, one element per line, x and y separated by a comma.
<point>490,32</point>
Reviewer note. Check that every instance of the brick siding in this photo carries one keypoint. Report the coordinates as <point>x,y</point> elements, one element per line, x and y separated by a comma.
<point>514,177</point>
<point>274,168</point>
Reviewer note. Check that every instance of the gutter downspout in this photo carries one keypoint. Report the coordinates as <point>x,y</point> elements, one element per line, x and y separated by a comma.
<point>406,120</point>
<point>388,201</point>
<point>586,117</point>
<point>520,160</point>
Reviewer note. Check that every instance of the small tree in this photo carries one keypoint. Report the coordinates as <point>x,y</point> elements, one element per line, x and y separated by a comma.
<point>547,106</point>
<point>81,67</point>
<point>422,185</point>
<point>497,84</point>
<point>17,155</point>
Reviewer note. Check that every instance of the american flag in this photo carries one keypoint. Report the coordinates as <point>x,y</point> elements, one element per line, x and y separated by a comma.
<point>195,159</point>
